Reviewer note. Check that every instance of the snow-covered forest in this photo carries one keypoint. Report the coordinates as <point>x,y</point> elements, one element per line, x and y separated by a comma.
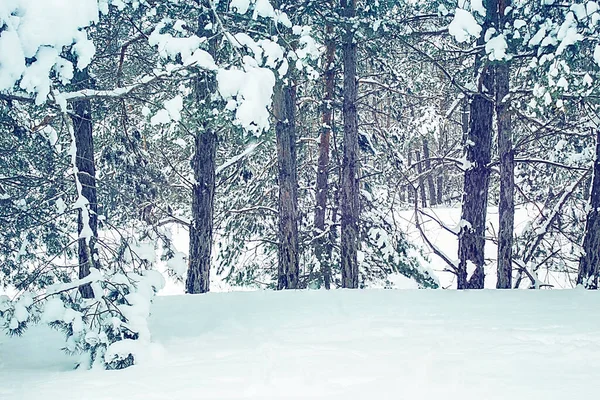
<point>179,147</point>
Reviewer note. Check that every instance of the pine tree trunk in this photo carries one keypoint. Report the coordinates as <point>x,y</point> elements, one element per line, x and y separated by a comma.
<point>321,244</point>
<point>349,196</point>
<point>86,167</point>
<point>201,228</point>
<point>442,144</point>
<point>284,108</point>
<point>471,241</point>
<point>589,263</point>
<point>410,189</point>
<point>430,183</point>
<point>203,194</point>
<point>421,180</point>
<point>506,206</point>
<point>478,149</point>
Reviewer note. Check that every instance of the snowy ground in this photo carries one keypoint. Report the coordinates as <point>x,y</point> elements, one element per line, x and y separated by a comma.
<point>366,344</point>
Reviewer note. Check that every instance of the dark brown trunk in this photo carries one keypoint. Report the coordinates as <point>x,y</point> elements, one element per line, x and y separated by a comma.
<point>478,148</point>
<point>203,195</point>
<point>321,243</point>
<point>589,263</point>
<point>506,205</point>
<point>201,228</point>
<point>430,183</point>
<point>349,194</point>
<point>203,190</point>
<point>86,173</point>
<point>472,234</point>
<point>474,209</point>
<point>284,107</point>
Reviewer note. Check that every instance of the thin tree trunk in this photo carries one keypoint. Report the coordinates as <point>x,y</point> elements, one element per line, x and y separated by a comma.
<point>506,206</point>
<point>421,180</point>
<point>589,263</point>
<point>86,172</point>
<point>410,188</point>
<point>430,183</point>
<point>442,171</point>
<point>321,250</point>
<point>349,196</point>
<point>284,107</point>
<point>203,195</point>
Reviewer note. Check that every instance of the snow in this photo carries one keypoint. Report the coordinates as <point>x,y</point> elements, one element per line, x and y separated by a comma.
<point>12,60</point>
<point>178,264</point>
<point>283,19</point>
<point>519,23</point>
<point>240,6</point>
<point>463,26</point>
<point>477,5</point>
<point>171,111</point>
<point>30,30</point>
<point>247,151</point>
<point>84,49</point>
<point>367,344</point>
<point>252,89</point>
<point>567,34</point>
<point>35,78</point>
<point>496,48</point>
<point>538,37</point>
<point>54,310</point>
<point>35,22</point>
<point>263,8</point>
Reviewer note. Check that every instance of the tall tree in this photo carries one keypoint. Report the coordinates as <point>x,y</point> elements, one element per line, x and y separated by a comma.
<point>203,191</point>
<point>284,109</point>
<point>478,149</point>
<point>430,183</point>
<point>322,252</point>
<point>349,196</point>
<point>506,205</point>
<point>86,174</point>
<point>201,227</point>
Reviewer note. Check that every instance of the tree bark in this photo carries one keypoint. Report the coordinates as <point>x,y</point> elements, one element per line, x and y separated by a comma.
<point>471,241</point>
<point>478,148</point>
<point>284,107</point>
<point>349,196</point>
<point>203,190</point>
<point>421,180</point>
<point>430,183</point>
<point>201,227</point>
<point>410,188</point>
<point>506,206</point>
<point>321,244</point>
<point>589,263</point>
<point>203,194</point>
<point>86,173</point>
